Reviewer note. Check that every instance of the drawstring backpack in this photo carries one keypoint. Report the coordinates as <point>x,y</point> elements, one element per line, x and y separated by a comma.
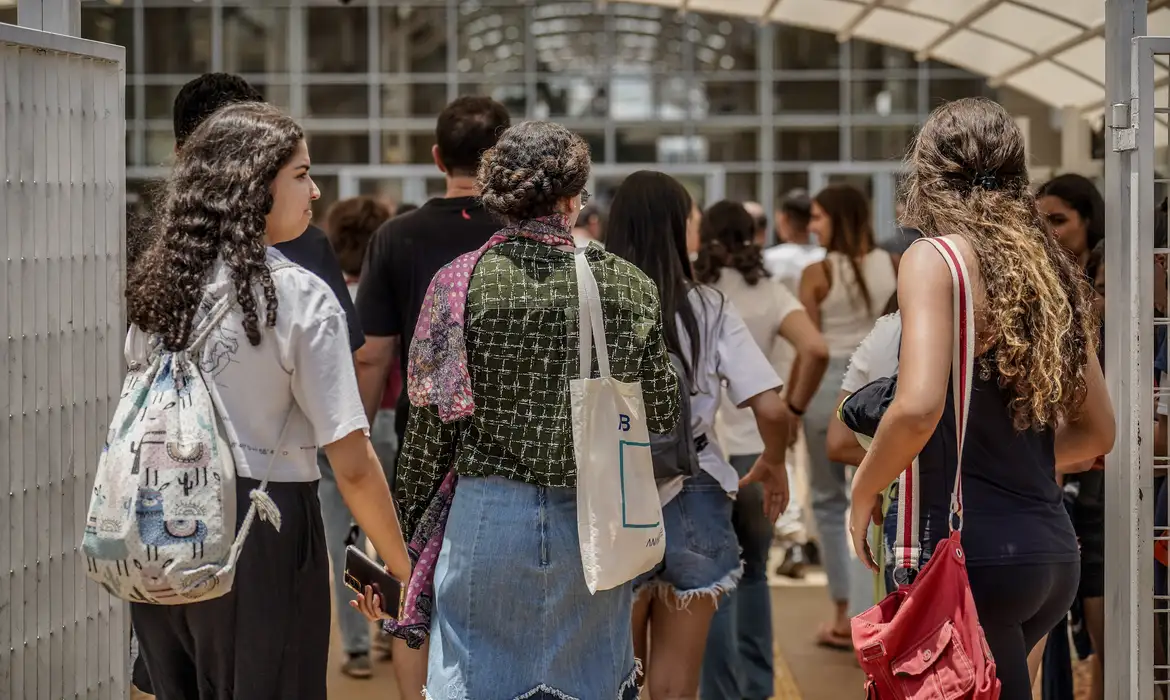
<point>162,517</point>
<point>924,639</point>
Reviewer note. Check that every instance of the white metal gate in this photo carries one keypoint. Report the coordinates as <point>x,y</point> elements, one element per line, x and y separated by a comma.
<point>62,233</point>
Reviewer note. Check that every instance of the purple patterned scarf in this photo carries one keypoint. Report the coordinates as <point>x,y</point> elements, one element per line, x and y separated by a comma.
<point>437,375</point>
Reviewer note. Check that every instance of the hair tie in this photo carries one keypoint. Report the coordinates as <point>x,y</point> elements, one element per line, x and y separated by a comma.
<point>987,181</point>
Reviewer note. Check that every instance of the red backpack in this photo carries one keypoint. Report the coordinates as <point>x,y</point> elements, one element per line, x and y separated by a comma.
<point>924,641</point>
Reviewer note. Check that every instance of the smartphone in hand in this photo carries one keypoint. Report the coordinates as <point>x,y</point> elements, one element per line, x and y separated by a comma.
<point>361,571</point>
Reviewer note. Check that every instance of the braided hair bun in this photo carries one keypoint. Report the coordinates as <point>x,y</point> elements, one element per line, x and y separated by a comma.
<point>533,166</point>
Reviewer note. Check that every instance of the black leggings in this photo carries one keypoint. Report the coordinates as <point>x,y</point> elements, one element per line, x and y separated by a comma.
<point>1018,604</point>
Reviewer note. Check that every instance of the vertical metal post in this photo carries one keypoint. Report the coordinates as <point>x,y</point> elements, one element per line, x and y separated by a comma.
<point>1129,663</point>
<point>56,16</point>
<point>766,154</point>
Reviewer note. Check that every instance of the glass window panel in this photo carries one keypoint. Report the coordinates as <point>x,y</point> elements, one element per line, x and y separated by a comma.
<point>884,97</point>
<point>866,55</point>
<point>809,144</point>
<point>806,96</point>
<point>338,100</point>
<point>596,141</point>
<point>255,40</point>
<point>413,39</point>
<point>405,147</point>
<point>743,187</point>
<point>339,40</point>
<point>731,145</point>
<point>805,49</point>
<point>940,90</point>
<point>881,143</point>
<point>514,96</point>
<point>717,98</point>
<point>178,40</point>
<point>665,98</point>
<point>724,43</point>
<point>160,101</point>
<point>790,180</point>
<point>491,39</point>
<point>276,94</point>
<point>8,15</point>
<point>339,148</point>
<point>328,186</point>
<point>570,96</point>
<point>653,144</point>
<point>414,100</point>
<point>160,147</point>
<point>646,37</point>
<point>567,37</point>
<point>131,104</point>
<point>111,25</point>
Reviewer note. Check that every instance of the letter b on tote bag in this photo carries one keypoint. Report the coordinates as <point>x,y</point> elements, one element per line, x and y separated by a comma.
<point>619,518</point>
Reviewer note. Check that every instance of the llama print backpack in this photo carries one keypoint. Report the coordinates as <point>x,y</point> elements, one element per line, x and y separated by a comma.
<point>162,517</point>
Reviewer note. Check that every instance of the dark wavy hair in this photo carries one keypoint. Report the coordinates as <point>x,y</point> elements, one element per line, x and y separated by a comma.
<point>533,166</point>
<point>852,235</point>
<point>350,224</point>
<point>728,240</point>
<point>648,227</point>
<point>214,204</point>
<point>1082,196</point>
<point>968,176</point>
<point>204,96</point>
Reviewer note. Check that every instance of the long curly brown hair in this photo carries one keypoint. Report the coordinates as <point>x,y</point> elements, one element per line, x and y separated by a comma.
<point>531,168</point>
<point>727,232</point>
<point>968,176</point>
<point>214,204</point>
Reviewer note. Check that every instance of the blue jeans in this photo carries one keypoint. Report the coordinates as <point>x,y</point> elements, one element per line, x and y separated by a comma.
<point>355,631</point>
<point>738,661</point>
<point>513,617</point>
<point>828,486</point>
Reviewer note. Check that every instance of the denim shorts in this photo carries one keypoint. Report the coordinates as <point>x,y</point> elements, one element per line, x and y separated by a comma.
<point>513,617</point>
<point>702,551</point>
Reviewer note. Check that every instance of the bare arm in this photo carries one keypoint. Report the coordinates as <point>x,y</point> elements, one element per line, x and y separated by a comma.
<point>773,421</point>
<point>841,443</point>
<point>812,358</point>
<point>1093,432</point>
<point>363,487</point>
<point>373,361</point>
<point>924,295</point>
<point>814,287</point>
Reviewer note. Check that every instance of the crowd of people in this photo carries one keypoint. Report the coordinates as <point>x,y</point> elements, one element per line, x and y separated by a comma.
<point>410,345</point>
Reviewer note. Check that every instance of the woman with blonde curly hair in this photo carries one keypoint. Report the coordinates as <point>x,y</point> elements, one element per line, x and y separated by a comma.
<point>1038,396</point>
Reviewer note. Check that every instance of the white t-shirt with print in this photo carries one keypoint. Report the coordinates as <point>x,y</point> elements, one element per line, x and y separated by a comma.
<point>303,365</point>
<point>728,356</point>
<point>763,307</point>
<point>877,355</point>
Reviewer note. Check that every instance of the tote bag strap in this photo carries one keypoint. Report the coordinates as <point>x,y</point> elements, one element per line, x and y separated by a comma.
<point>962,363</point>
<point>907,543</point>
<point>590,319</point>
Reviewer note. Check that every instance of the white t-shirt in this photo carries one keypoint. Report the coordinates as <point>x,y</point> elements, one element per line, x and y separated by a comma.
<point>728,356</point>
<point>786,262</point>
<point>877,355</point>
<point>763,307</point>
<point>302,365</point>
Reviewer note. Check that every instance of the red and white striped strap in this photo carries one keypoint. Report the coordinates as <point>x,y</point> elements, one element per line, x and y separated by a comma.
<point>907,542</point>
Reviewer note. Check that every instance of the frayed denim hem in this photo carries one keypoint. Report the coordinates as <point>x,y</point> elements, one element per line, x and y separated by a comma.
<point>683,599</point>
<point>628,690</point>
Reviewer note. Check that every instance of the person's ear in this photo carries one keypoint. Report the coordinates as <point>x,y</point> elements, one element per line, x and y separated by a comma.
<point>438,159</point>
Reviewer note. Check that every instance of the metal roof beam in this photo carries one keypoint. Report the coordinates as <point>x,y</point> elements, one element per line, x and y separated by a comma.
<point>770,9</point>
<point>847,31</point>
<point>959,25</point>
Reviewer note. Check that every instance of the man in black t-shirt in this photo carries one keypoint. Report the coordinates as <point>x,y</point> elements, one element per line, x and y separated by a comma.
<point>408,250</point>
<point>197,101</point>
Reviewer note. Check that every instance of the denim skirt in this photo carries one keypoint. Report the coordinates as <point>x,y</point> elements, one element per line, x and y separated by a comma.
<point>513,618</point>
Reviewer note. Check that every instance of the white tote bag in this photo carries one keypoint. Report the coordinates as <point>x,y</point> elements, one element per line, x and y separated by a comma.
<point>619,519</point>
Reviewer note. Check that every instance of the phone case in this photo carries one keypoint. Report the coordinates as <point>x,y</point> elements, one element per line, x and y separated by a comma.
<point>361,571</point>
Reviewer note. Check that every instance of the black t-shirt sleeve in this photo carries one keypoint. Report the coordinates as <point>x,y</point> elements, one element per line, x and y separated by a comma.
<point>313,252</point>
<point>377,300</point>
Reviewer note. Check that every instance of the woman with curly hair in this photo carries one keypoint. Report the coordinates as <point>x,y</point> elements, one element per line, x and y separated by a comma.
<point>1038,396</point>
<point>279,365</point>
<point>490,365</point>
<point>738,662</point>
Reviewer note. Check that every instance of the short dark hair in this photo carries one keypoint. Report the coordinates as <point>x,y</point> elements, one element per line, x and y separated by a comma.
<point>534,166</point>
<point>350,224</point>
<point>466,129</point>
<point>204,96</point>
<point>797,206</point>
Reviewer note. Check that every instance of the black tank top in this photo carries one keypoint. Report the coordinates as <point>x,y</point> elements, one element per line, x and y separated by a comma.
<point>1013,507</point>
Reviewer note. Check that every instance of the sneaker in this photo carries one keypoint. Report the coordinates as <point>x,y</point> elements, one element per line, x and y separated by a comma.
<point>794,562</point>
<point>381,646</point>
<point>358,666</point>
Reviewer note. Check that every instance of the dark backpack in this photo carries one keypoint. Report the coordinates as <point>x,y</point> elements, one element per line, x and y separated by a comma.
<point>677,453</point>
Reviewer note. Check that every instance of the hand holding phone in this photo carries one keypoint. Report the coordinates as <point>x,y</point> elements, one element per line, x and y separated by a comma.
<point>380,595</point>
